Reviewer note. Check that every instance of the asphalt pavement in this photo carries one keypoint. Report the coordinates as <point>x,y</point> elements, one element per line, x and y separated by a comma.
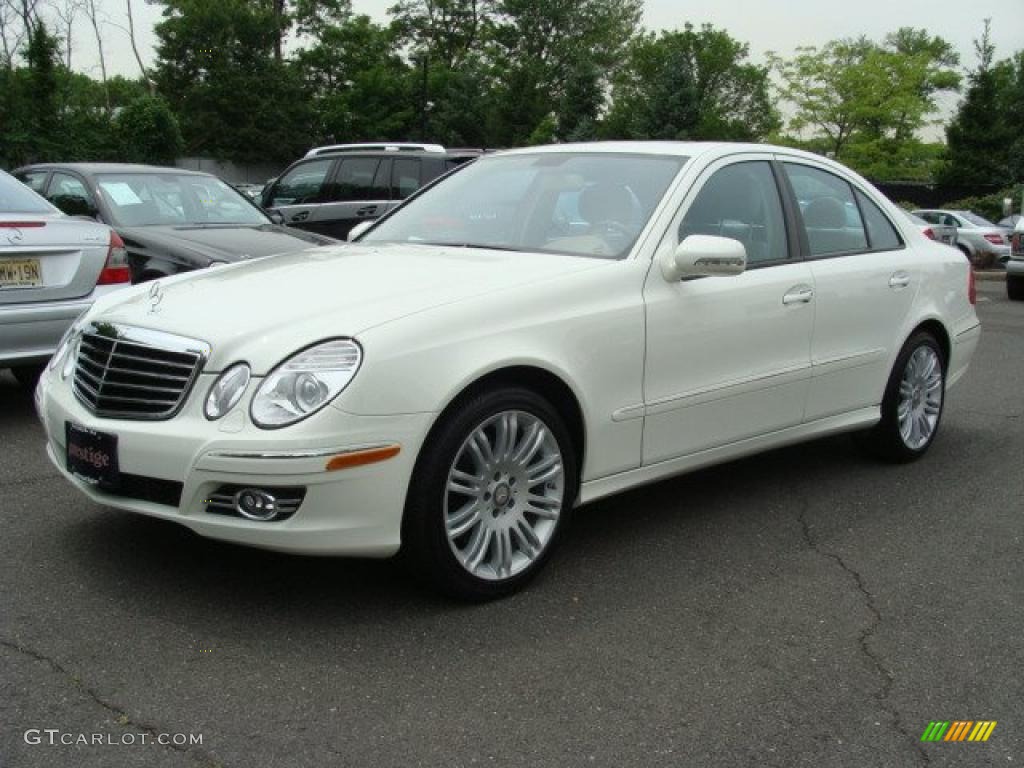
<point>805,607</point>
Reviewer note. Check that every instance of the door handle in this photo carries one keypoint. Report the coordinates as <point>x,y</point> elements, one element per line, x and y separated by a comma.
<point>367,210</point>
<point>799,294</point>
<point>899,280</point>
<point>302,216</point>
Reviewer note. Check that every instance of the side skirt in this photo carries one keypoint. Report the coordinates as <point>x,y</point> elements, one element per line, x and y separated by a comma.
<point>593,490</point>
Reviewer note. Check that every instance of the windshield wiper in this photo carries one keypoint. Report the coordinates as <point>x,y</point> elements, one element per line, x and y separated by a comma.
<point>486,246</point>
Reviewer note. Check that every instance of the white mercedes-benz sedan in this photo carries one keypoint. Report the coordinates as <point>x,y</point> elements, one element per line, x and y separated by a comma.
<point>536,330</point>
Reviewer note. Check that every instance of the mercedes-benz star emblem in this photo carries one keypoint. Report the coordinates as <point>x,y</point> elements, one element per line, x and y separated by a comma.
<point>156,295</point>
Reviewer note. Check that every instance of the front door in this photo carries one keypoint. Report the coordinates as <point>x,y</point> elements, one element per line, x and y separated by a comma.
<point>728,358</point>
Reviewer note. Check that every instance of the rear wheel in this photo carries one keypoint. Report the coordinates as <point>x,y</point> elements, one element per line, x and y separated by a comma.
<point>1015,288</point>
<point>28,375</point>
<point>490,494</point>
<point>913,402</point>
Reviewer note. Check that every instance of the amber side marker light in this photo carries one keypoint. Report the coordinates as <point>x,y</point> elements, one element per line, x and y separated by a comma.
<point>362,458</point>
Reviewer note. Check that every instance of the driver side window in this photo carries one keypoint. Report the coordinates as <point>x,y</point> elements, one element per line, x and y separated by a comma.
<point>741,202</point>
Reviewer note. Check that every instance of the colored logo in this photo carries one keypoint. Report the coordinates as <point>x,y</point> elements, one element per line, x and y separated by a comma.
<point>958,730</point>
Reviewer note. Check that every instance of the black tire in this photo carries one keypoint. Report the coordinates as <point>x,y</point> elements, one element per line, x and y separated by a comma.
<point>884,440</point>
<point>425,544</point>
<point>28,375</point>
<point>1015,288</point>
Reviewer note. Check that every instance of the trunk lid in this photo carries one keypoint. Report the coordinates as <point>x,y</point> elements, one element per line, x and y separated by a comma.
<point>49,257</point>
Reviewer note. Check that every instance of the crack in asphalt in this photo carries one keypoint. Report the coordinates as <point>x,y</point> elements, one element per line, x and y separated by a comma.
<point>122,717</point>
<point>881,695</point>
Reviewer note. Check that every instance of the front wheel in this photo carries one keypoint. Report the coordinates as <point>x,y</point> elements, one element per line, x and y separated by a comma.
<point>490,494</point>
<point>913,402</point>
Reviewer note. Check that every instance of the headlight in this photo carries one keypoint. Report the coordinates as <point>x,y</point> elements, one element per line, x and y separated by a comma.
<point>71,356</point>
<point>226,391</point>
<point>305,383</point>
<point>65,341</point>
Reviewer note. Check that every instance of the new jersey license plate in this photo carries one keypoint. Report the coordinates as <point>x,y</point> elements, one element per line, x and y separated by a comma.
<point>20,273</point>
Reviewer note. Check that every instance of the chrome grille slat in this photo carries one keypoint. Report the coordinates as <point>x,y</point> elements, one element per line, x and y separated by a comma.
<point>134,373</point>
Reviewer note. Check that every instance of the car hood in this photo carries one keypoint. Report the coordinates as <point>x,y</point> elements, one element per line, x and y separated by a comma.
<point>261,311</point>
<point>200,244</point>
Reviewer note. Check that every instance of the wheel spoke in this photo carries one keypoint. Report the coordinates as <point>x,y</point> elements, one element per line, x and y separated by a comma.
<point>527,538</point>
<point>503,562</point>
<point>464,483</point>
<point>544,470</point>
<point>478,547</point>
<point>464,520</point>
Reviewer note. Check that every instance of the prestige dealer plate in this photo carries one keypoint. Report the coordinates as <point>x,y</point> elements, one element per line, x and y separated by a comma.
<point>92,455</point>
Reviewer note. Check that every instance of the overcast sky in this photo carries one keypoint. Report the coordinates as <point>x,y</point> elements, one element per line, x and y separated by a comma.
<point>779,26</point>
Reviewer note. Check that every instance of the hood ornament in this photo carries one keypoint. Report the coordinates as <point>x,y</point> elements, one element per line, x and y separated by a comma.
<point>156,295</point>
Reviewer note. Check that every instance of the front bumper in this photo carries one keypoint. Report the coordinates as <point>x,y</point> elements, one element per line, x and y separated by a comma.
<point>354,511</point>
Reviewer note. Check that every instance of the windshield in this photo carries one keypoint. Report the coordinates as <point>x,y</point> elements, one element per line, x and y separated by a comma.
<point>580,204</point>
<point>975,219</point>
<point>145,199</point>
<point>15,197</point>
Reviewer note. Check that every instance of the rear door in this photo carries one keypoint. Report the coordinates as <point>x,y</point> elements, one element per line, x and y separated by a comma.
<point>299,195</point>
<point>358,191</point>
<point>865,280</point>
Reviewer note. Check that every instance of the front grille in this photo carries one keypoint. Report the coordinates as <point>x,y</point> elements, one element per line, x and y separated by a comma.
<point>222,500</point>
<point>133,373</point>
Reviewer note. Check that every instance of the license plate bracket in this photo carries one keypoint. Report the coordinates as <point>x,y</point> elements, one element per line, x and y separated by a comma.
<point>92,456</point>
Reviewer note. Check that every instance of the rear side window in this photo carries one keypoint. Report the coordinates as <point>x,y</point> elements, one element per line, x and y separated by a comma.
<point>15,197</point>
<point>882,235</point>
<point>355,180</point>
<point>34,180</point>
<point>405,177</point>
<point>303,184</point>
<point>829,211</point>
<point>70,195</point>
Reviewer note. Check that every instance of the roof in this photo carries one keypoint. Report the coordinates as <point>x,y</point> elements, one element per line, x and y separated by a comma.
<point>95,168</point>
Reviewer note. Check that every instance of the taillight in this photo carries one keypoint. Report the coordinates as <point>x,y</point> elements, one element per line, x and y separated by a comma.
<point>994,239</point>
<point>116,269</point>
<point>928,233</point>
<point>972,291</point>
<point>22,224</point>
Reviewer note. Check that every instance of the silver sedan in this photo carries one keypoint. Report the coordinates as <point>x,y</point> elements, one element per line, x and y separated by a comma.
<point>983,242</point>
<point>52,268</point>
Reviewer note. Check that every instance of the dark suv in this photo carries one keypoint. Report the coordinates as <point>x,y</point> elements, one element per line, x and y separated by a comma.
<point>333,188</point>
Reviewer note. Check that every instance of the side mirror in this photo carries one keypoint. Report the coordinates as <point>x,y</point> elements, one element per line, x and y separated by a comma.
<point>705,256</point>
<point>276,216</point>
<point>357,230</point>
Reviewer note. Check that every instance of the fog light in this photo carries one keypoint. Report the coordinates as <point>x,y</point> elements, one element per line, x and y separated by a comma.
<point>255,504</point>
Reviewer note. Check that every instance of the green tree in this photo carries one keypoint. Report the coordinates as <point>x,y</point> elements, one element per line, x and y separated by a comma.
<point>985,137</point>
<point>691,84</point>
<point>537,48</point>
<point>864,102</point>
<point>217,69</point>
<point>148,132</point>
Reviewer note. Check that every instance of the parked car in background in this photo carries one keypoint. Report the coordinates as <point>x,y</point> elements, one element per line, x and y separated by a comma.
<point>171,220</point>
<point>942,233</point>
<point>52,268</point>
<point>252,191</point>
<point>523,336</point>
<point>1015,266</point>
<point>335,187</point>
<point>1010,222</point>
<point>981,241</point>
